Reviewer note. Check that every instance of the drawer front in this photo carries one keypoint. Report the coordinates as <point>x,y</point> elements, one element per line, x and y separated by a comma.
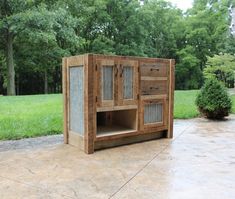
<point>154,69</point>
<point>154,87</point>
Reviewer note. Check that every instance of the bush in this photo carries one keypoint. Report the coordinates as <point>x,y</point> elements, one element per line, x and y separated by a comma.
<point>213,100</point>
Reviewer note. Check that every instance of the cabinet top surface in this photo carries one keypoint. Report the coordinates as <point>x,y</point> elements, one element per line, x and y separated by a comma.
<point>101,56</point>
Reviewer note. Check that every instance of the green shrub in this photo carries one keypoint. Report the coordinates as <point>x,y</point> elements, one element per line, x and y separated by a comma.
<point>213,100</point>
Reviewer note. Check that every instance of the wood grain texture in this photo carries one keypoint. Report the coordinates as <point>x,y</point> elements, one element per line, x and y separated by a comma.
<point>154,69</point>
<point>89,104</point>
<point>74,137</point>
<point>127,139</point>
<point>116,108</point>
<point>171,98</point>
<point>65,104</point>
<point>145,104</point>
<point>154,87</point>
<point>128,83</point>
<point>76,140</point>
<point>102,82</point>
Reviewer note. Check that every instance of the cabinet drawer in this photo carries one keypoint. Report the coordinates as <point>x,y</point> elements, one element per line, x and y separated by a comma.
<point>154,87</point>
<point>154,69</point>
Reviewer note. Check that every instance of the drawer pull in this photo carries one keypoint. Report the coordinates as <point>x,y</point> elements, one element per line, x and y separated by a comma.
<point>154,88</point>
<point>145,93</point>
<point>152,69</point>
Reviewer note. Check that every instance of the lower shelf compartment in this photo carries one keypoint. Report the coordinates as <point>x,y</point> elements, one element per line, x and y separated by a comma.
<point>113,130</point>
<point>116,122</point>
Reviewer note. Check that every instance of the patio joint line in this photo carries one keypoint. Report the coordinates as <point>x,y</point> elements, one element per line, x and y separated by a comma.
<point>149,162</point>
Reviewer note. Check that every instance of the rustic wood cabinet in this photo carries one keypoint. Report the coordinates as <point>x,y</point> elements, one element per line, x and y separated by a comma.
<point>115,100</point>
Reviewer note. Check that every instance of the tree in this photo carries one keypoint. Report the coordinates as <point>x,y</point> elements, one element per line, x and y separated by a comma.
<point>222,68</point>
<point>207,26</point>
<point>46,30</point>
<point>17,16</point>
<point>188,73</point>
<point>163,28</point>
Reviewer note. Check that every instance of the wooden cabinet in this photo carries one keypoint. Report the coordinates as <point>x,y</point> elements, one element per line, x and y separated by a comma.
<point>115,100</point>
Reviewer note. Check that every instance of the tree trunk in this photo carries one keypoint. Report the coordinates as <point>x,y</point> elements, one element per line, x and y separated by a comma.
<point>45,82</point>
<point>10,66</point>
<point>17,84</point>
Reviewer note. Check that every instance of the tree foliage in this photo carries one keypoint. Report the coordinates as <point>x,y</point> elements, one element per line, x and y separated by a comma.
<point>222,68</point>
<point>36,34</point>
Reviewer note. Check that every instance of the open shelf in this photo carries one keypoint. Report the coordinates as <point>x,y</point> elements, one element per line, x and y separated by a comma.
<point>116,122</point>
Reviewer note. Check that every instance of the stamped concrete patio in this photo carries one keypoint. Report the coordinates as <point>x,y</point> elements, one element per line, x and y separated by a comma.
<point>198,163</point>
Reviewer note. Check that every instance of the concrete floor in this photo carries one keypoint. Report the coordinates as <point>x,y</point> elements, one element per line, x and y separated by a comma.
<point>198,163</point>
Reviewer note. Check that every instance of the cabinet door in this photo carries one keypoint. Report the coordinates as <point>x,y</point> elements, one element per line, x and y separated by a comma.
<point>153,114</point>
<point>128,82</point>
<point>106,82</point>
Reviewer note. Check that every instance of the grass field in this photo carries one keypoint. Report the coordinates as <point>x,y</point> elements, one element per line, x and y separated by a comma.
<point>185,107</point>
<point>30,116</point>
<point>233,108</point>
<point>37,115</point>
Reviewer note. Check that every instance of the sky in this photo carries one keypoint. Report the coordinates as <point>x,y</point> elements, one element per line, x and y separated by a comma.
<point>182,4</point>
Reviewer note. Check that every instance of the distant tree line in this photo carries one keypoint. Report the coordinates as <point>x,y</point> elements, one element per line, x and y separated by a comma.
<point>36,34</point>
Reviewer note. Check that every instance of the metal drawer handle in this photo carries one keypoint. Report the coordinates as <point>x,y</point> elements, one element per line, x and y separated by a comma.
<point>154,88</point>
<point>152,69</point>
<point>145,93</point>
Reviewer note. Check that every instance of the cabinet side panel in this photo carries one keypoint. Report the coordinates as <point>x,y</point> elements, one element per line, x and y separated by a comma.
<point>76,88</point>
<point>65,102</point>
<point>90,100</point>
<point>171,98</point>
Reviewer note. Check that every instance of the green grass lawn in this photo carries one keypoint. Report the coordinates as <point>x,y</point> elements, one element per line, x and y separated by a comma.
<point>233,108</point>
<point>185,107</point>
<point>37,115</point>
<point>30,116</point>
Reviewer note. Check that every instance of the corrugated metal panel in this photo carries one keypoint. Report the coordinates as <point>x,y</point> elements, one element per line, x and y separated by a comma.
<point>107,82</point>
<point>153,113</point>
<point>127,82</point>
<point>77,99</point>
